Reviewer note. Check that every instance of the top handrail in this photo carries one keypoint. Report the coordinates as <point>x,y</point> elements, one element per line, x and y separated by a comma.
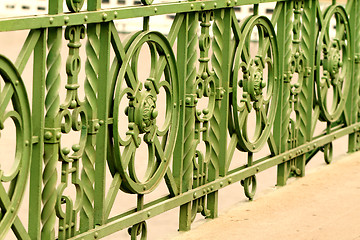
<point>126,12</point>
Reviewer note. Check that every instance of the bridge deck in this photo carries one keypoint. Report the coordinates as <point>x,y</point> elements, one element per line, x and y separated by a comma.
<point>323,205</point>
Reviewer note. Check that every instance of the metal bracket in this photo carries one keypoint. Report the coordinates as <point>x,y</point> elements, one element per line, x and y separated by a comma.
<point>52,135</point>
<point>93,126</point>
<point>219,93</point>
<point>357,58</point>
<point>190,100</point>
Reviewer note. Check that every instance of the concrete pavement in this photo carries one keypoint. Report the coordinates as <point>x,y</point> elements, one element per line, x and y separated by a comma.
<point>325,204</point>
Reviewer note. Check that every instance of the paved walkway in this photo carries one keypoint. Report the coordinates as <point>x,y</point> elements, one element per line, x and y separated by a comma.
<point>325,204</point>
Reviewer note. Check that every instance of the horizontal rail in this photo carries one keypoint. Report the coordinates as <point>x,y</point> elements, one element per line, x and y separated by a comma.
<point>106,15</point>
<point>167,203</point>
<point>223,99</point>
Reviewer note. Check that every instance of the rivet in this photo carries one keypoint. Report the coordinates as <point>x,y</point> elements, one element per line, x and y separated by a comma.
<point>215,5</point>
<point>334,136</point>
<point>115,14</point>
<point>65,151</point>
<point>73,104</point>
<point>257,169</point>
<point>63,172</point>
<point>155,9</point>
<point>144,187</point>
<point>212,188</point>
<point>16,82</point>
<point>51,20</point>
<point>195,195</point>
<point>208,189</point>
<point>96,235</point>
<point>148,214</point>
<point>228,3</point>
<point>48,135</point>
<point>76,147</point>
<point>314,145</point>
<point>204,191</point>
<point>85,18</point>
<point>192,6</point>
<point>202,5</point>
<point>230,180</point>
<point>26,143</point>
<point>221,184</point>
<point>12,209</point>
<point>101,122</point>
<point>104,16</point>
<point>284,158</point>
<point>66,20</point>
<point>58,135</point>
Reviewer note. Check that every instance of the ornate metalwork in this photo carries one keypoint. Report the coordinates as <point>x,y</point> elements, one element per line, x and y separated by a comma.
<point>260,92</point>
<point>142,113</point>
<point>216,85</point>
<point>14,107</point>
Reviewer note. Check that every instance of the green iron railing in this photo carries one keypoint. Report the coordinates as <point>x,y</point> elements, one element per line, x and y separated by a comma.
<point>209,94</point>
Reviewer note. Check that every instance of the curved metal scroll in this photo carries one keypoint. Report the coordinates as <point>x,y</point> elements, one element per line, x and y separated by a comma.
<point>142,113</point>
<point>14,106</point>
<point>333,64</point>
<point>260,93</point>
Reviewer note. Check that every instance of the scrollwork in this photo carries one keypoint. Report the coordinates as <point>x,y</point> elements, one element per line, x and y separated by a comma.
<point>142,113</point>
<point>14,106</point>
<point>73,118</point>
<point>259,92</point>
<point>333,64</point>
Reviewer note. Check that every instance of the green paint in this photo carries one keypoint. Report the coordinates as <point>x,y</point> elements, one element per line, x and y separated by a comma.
<point>299,75</point>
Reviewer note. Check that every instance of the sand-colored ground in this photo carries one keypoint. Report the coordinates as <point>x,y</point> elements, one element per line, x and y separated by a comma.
<point>322,205</point>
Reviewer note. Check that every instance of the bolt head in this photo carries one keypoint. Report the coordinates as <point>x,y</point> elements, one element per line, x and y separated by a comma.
<point>76,147</point>
<point>262,84</point>
<point>65,151</point>
<point>48,135</point>
<point>154,113</point>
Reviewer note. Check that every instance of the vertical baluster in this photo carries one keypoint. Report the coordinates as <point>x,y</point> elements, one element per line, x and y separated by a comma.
<point>91,82</point>
<point>52,133</point>
<point>102,113</point>
<point>52,103</point>
<point>88,160</point>
<point>219,122</point>
<point>38,130</point>
<point>352,105</point>
<point>186,61</point>
<point>306,95</point>
<point>282,119</point>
